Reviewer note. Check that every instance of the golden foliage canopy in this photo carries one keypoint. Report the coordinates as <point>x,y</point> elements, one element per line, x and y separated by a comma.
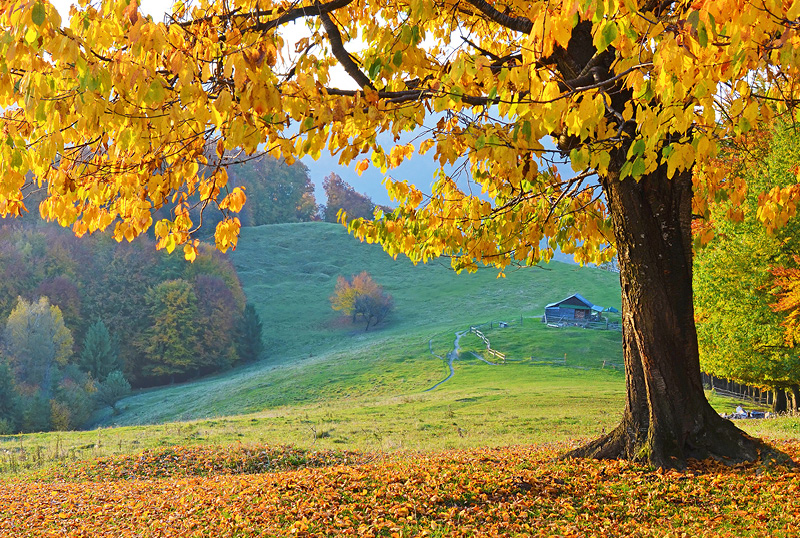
<point>113,113</point>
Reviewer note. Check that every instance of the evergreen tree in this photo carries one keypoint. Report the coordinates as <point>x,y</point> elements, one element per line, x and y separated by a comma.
<point>99,355</point>
<point>113,389</point>
<point>36,414</point>
<point>248,341</point>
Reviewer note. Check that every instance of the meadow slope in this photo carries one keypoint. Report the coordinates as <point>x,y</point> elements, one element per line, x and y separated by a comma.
<point>314,355</point>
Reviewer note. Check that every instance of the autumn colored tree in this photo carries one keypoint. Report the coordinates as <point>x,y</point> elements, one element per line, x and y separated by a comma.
<point>216,321</point>
<point>343,197</point>
<point>213,263</point>
<point>171,345</point>
<point>276,191</point>
<point>63,293</point>
<point>787,284</point>
<point>113,112</point>
<point>361,296</point>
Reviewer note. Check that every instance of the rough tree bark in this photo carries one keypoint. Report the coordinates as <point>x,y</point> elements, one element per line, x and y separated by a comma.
<point>667,418</point>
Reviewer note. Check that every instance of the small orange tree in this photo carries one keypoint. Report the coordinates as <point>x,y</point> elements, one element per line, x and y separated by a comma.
<point>361,296</point>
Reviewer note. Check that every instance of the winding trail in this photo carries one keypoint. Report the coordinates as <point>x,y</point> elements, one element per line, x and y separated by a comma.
<point>451,356</point>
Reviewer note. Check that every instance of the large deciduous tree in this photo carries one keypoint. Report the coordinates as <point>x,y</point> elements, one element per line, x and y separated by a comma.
<point>171,345</point>
<point>343,197</point>
<point>113,112</point>
<point>276,192</point>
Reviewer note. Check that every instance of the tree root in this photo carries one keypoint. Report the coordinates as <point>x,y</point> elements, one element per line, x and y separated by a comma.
<point>718,439</point>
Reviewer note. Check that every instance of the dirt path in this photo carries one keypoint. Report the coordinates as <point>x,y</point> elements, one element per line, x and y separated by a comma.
<point>451,356</point>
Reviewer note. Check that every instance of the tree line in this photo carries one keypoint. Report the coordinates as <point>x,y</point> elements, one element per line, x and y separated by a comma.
<point>279,193</point>
<point>85,320</point>
<point>747,273</point>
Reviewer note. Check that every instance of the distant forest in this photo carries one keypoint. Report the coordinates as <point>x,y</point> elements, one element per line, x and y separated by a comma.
<point>76,310</point>
<point>84,321</point>
<point>279,193</point>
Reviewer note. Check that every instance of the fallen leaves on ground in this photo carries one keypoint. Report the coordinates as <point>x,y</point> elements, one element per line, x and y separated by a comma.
<point>482,492</point>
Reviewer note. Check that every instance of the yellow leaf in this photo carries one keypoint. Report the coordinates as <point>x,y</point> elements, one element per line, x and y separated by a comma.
<point>189,252</point>
<point>361,166</point>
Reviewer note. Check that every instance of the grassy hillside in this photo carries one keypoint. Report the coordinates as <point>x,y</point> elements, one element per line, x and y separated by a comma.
<point>289,271</point>
<point>298,443</point>
<point>314,355</point>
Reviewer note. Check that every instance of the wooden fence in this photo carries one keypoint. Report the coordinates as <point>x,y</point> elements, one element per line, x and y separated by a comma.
<point>560,322</point>
<point>493,352</point>
<point>726,387</point>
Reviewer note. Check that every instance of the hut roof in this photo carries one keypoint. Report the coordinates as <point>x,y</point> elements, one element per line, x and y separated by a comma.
<point>577,301</point>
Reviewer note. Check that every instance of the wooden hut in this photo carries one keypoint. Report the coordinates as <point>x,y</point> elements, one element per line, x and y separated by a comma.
<point>574,308</point>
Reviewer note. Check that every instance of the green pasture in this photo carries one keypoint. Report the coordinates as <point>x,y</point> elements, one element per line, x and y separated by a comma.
<point>326,383</point>
<point>289,272</point>
<point>313,354</point>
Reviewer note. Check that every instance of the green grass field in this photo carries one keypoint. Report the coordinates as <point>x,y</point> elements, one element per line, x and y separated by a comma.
<point>314,355</point>
<point>326,384</point>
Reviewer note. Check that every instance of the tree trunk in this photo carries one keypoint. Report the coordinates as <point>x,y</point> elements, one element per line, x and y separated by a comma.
<point>795,399</point>
<point>667,418</point>
<point>779,402</point>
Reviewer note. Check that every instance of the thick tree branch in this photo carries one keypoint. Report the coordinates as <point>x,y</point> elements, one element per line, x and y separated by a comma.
<point>297,13</point>
<point>594,80</point>
<point>337,47</point>
<point>519,24</point>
